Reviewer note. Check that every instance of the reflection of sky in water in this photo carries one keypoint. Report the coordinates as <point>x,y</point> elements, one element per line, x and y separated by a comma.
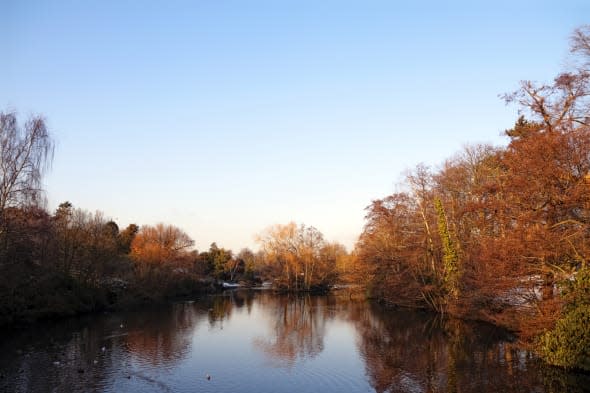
<point>263,342</point>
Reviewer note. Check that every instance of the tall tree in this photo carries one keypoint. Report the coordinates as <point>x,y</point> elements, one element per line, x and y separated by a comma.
<point>563,104</point>
<point>159,245</point>
<point>25,152</point>
<point>295,252</point>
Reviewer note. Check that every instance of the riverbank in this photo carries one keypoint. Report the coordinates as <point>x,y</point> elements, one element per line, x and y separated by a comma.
<point>52,296</point>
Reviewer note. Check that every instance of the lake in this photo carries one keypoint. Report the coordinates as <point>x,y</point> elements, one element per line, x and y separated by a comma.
<point>259,341</point>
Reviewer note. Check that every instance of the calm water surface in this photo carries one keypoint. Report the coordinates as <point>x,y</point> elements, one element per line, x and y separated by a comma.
<point>261,342</point>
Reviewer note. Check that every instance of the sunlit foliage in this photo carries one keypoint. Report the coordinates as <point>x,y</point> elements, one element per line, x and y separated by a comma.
<point>513,222</point>
<point>299,256</point>
<point>158,245</point>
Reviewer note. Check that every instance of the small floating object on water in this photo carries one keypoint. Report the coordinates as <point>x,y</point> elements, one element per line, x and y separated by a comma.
<point>129,377</point>
<point>95,361</point>
<point>208,377</point>
<point>80,371</point>
<point>56,363</point>
<point>103,349</point>
<point>121,326</point>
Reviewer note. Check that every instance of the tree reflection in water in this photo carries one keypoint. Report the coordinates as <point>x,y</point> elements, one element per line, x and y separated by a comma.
<point>310,338</point>
<point>220,306</point>
<point>410,351</point>
<point>298,326</point>
<point>162,337</point>
<point>87,353</point>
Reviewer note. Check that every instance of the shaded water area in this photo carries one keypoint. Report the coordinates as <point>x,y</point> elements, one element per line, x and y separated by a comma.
<point>248,341</point>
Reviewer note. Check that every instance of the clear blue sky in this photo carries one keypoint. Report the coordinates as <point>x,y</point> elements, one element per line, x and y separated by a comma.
<point>225,117</point>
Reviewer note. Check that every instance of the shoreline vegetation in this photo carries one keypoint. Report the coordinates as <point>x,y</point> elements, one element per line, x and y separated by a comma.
<point>497,234</point>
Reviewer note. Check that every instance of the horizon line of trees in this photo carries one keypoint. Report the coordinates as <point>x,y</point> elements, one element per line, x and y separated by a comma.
<point>72,260</point>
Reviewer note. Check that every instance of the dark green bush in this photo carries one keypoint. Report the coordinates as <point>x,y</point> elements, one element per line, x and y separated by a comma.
<point>568,343</point>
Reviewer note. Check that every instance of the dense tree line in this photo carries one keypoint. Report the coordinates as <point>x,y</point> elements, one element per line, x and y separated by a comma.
<point>71,260</point>
<point>501,233</point>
